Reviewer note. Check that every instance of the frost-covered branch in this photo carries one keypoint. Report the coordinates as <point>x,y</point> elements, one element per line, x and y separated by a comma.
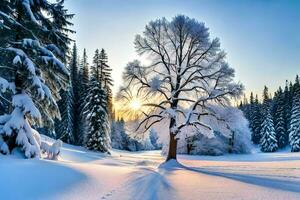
<point>188,72</point>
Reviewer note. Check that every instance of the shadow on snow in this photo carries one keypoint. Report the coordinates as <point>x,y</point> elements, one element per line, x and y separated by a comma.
<point>36,179</point>
<point>149,184</point>
<point>274,183</point>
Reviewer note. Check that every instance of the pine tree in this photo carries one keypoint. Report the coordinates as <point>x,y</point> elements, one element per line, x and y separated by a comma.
<point>95,70</point>
<point>83,90</point>
<point>33,47</point>
<point>74,65</point>
<point>4,103</point>
<point>294,128</point>
<point>76,98</point>
<point>64,127</point>
<point>67,129</point>
<point>256,122</point>
<point>85,70</point>
<point>287,108</point>
<point>97,137</point>
<point>103,72</point>
<point>290,103</point>
<point>279,118</point>
<point>106,80</point>
<point>250,110</point>
<point>250,106</point>
<point>268,141</point>
<point>266,99</point>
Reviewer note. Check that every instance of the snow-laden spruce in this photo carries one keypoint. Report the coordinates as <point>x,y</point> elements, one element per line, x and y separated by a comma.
<point>187,71</point>
<point>279,118</point>
<point>268,140</point>
<point>96,109</point>
<point>255,121</point>
<point>64,126</point>
<point>294,131</point>
<point>98,129</point>
<point>281,108</point>
<point>33,47</point>
<point>71,127</point>
<point>81,85</point>
<point>104,75</point>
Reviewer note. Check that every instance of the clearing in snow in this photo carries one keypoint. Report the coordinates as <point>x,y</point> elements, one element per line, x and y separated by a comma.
<point>82,174</point>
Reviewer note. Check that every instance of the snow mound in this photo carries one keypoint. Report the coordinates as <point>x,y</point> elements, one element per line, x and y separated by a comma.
<point>171,165</point>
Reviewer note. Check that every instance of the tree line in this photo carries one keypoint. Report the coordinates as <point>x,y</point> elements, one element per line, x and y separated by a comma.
<point>275,122</point>
<point>34,44</point>
<point>44,84</point>
<point>86,105</point>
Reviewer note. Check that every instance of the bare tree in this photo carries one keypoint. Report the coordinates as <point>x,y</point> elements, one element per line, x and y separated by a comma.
<point>187,73</point>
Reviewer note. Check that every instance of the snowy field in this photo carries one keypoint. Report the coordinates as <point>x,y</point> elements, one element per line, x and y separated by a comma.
<point>80,174</point>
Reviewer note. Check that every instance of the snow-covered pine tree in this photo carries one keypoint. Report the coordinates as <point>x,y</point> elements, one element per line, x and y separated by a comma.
<point>76,84</point>
<point>95,69</point>
<point>289,102</point>
<point>64,127</point>
<point>279,118</point>
<point>256,121</point>
<point>266,100</point>
<point>105,76</point>
<point>85,70</point>
<point>97,137</point>
<point>73,65</point>
<point>67,128</point>
<point>268,141</point>
<point>82,88</point>
<point>4,104</point>
<point>33,47</point>
<point>287,108</point>
<point>100,60</point>
<point>252,101</point>
<point>251,111</point>
<point>294,128</point>
<point>105,70</point>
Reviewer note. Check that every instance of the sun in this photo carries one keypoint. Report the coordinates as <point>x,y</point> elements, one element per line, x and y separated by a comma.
<point>135,104</point>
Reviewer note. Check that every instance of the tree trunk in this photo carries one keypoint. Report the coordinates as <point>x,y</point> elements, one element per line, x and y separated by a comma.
<point>172,147</point>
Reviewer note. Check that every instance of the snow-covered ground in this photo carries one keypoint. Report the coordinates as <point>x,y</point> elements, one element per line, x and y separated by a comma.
<point>80,174</point>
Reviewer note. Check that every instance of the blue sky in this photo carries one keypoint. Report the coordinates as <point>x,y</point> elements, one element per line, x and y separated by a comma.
<point>261,38</point>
